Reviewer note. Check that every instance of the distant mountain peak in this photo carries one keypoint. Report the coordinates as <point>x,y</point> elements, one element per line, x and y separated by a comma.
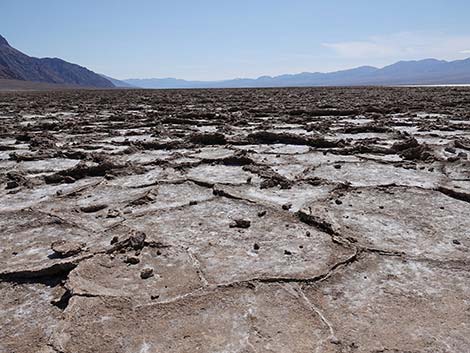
<point>412,72</point>
<point>3,41</point>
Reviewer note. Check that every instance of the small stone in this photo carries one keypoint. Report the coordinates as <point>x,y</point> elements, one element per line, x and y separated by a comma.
<point>286,206</point>
<point>256,247</point>
<point>262,213</point>
<point>308,234</point>
<point>337,166</point>
<point>456,242</point>
<point>137,241</point>
<point>12,185</point>
<point>131,260</point>
<point>287,252</point>
<point>113,214</point>
<point>192,203</point>
<point>338,202</point>
<point>93,208</point>
<point>240,223</point>
<point>114,240</point>
<point>450,149</point>
<point>65,248</point>
<point>146,273</point>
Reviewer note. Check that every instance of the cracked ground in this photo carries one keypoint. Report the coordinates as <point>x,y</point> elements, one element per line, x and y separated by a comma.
<point>260,220</point>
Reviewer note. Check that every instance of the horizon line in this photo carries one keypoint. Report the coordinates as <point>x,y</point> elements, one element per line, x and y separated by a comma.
<point>290,74</point>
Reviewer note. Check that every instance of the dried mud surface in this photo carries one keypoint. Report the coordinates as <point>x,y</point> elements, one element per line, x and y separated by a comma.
<point>269,220</point>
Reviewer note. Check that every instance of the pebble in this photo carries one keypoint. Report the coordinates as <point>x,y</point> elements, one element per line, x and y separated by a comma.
<point>132,260</point>
<point>240,223</point>
<point>146,273</point>
<point>12,185</point>
<point>112,214</point>
<point>450,149</point>
<point>287,206</point>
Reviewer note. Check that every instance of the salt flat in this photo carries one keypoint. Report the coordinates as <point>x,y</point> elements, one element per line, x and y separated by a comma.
<point>245,220</point>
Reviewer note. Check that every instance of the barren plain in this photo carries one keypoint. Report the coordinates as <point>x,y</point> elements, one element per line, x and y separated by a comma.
<point>247,220</point>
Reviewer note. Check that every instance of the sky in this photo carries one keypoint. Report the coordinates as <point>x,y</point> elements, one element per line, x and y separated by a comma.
<point>221,39</point>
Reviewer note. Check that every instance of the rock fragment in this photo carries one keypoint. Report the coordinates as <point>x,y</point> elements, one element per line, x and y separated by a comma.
<point>240,223</point>
<point>146,273</point>
<point>132,260</point>
<point>93,208</point>
<point>136,241</point>
<point>287,206</point>
<point>65,248</point>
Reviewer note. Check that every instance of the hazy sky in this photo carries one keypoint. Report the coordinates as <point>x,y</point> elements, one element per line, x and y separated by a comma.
<point>218,39</point>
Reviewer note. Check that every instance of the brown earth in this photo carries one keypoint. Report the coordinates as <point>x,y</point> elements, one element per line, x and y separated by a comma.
<point>264,220</point>
<point>19,85</point>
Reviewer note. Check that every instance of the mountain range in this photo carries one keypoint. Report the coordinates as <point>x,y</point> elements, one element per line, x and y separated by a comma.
<point>17,68</point>
<point>118,83</point>
<point>422,72</point>
<point>14,65</point>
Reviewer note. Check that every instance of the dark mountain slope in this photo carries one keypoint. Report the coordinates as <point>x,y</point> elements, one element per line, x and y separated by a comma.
<point>18,66</point>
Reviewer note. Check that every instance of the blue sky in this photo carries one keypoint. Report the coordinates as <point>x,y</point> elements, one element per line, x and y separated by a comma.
<point>209,39</point>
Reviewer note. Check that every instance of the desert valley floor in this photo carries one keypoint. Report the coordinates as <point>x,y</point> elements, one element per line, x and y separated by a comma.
<point>236,221</point>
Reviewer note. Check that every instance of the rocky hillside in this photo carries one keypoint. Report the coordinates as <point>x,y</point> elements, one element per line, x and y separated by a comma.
<point>15,65</point>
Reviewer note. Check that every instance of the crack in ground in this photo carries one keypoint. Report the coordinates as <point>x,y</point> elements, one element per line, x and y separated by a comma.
<point>299,293</point>
<point>251,283</point>
<point>58,270</point>
<point>197,266</point>
<point>461,196</point>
